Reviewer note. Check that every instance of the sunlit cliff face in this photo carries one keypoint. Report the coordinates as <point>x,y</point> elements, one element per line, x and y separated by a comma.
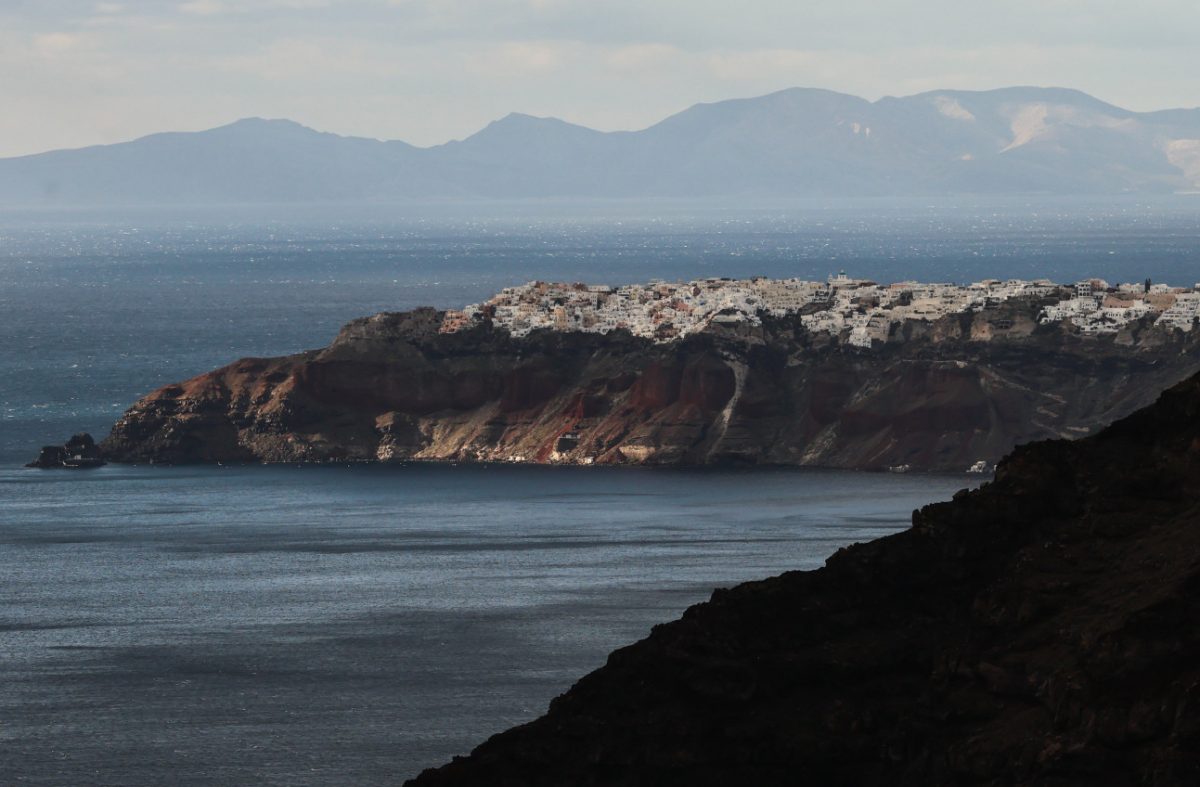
<point>942,393</point>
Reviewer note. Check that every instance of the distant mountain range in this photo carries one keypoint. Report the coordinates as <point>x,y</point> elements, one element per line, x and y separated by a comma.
<point>797,142</point>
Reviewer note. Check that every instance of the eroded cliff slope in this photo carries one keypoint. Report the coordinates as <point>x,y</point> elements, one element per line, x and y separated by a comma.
<point>936,396</point>
<point>1041,630</point>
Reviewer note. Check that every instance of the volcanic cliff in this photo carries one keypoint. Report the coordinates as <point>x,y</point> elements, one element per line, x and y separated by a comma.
<point>938,395</point>
<point>1040,630</point>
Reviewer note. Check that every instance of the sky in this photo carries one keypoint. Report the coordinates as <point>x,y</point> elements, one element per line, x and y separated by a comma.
<point>80,72</point>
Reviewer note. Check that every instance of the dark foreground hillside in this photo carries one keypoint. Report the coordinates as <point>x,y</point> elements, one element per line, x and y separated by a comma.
<point>1044,629</point>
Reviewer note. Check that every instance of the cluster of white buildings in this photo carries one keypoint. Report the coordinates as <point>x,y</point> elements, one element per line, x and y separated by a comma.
<point>863,310</point>
<point>868,311</point>
<point>660,310</point>
<point>1097,308</point>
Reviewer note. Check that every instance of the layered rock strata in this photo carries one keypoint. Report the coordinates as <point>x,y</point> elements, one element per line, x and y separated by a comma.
<point>940,395</point>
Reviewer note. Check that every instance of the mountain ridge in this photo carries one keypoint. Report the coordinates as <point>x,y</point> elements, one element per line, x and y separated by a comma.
<point>792,142</point>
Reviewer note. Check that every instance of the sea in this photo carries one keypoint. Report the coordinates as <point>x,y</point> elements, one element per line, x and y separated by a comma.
<point>334,625</point>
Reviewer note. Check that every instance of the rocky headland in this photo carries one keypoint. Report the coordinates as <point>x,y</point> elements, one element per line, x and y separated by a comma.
<point>936,394</point>
<point>1040,630</point>
<point>79,452</point>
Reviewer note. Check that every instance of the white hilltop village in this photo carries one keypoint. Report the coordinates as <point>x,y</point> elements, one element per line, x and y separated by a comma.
<point>864,310</point>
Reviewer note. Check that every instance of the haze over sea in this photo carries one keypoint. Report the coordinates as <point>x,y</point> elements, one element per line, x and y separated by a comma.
<point>333,625</point>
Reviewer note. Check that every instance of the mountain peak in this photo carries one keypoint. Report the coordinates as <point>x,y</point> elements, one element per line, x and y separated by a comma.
<point>260,125</point>
<point>1026,94</point>
<point>523,117</point>
<point>518,128</point>
<point>521,120</point>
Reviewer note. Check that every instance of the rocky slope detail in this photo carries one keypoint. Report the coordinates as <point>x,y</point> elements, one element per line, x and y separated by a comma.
<point>938,395</point>
<point>1040,630</point>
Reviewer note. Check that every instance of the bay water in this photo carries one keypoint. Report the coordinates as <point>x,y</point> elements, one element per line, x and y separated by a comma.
<point>337,625</point>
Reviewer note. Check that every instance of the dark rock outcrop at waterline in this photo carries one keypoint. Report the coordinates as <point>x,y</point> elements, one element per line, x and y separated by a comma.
<point>938,395</point>
<point>1041,630</point>
<point>79,452</point>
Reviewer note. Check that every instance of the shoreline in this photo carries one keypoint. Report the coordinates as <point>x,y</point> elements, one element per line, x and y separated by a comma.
<point>730,468</point>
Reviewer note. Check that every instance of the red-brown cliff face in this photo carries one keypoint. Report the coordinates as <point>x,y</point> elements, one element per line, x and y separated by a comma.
<point>1041,630</point>
<point>391,387</point>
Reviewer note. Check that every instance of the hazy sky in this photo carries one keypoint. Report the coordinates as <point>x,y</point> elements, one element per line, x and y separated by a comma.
<point>76,72</point>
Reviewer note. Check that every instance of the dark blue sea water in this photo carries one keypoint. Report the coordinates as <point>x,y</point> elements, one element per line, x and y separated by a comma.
<point>339,625</point>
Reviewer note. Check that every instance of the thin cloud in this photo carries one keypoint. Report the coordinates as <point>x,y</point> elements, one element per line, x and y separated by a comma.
<point>204,8</point>
<point>430,70</point>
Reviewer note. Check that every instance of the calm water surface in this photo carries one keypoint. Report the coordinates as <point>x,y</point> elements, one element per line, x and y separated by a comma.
<point>334,625</point>
<point>338,625</point>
